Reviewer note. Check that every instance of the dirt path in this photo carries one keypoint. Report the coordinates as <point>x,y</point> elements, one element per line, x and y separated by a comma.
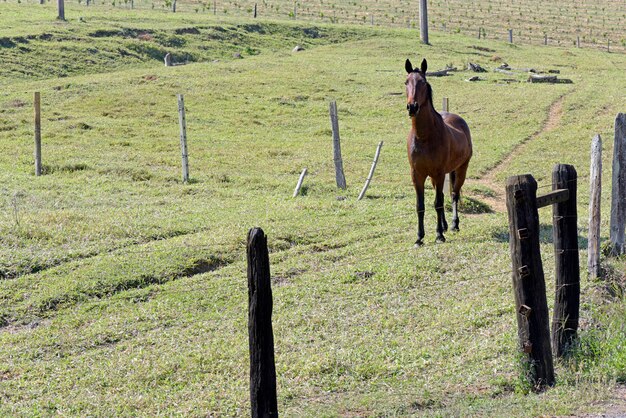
<point>498,201</point>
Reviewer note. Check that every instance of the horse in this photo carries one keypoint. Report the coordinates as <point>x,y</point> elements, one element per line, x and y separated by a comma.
<point>438,143</point>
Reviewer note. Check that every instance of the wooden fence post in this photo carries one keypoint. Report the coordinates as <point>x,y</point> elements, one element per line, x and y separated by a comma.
<point>61,7</point>
<point>183,137</point>
<point>299,185</point>
<point>618,192</point>
<point>37,101</point>
<point>261,336</point>
<point>595,179</point>
<point>447,187</point>
<point>566,258</point>
<point>371,174</point>
<point>528,280</point>
<point>424,22</point>
<point>339,176</point>
<point>255,10</point>
<point>510,36</point>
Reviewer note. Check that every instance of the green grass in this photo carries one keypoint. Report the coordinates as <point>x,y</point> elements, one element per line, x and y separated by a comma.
<point>124,290</point>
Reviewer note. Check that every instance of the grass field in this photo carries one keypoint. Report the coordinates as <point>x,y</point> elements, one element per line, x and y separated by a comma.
<point>123,290</point>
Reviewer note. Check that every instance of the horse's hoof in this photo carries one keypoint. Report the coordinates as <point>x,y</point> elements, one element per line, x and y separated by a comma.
<point>455,228</point>
<point>440,239</point>
<point>418,243</point>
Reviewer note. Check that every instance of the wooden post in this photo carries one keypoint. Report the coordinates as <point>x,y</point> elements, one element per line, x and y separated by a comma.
<point>510,36</point>
<point>339,176</point>
<point>545,39</point>
<point>255,10</point>
<point>372,20</point>
<point>214,7</point>
<point>528,280</point>
<point>595,179</point>
<point>61,7</point>
<point>261,336</point>
<point>295,10</point>
<point>424,22</point>
<point>299,185</point>
<point>479,31</point>
<point>567,270</point>
<point>174,6</point>
<point>183,137</point>
<point>38,169</point>
<point>447,187</point>
<point>618,192</point>
<point>371,174</point>
<point>578,41</point>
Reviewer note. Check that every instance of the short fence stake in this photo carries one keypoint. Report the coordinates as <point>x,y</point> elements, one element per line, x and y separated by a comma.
<point>565,234</point>
<point>528,280</point>
<point>339,176</point>
<point>183,137</point>
<point>618,192</point>
<point>371,174</point>
<point>593,249</point>
<point>446,183</point>
<point>261,336</point>
<point>38,134</point>
<point>299,185</point>
<point>510,36</point>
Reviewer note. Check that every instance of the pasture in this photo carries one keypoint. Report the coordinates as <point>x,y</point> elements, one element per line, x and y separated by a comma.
<point>123,291</point>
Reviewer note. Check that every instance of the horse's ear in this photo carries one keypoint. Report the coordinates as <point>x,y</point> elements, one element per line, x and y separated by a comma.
<point>408,66</point>
<point>424,66</point>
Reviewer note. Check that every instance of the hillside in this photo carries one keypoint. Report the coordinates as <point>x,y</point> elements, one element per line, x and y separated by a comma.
<point>123,290</point>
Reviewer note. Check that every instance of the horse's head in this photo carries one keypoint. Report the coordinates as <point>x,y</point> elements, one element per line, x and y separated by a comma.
<point>418,91</point>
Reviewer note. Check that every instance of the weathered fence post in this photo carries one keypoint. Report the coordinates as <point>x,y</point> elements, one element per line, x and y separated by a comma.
<point>37,101</point>
<point>299,185</point>
<point>261,336</point>
<point>567,270</point>
<point>255,10</point>
<point>371,174</point>
<point>423,22</point>
<point>447,187</point>
<point>339,176</point>
<point>545,39</point>
<point>61,7</point>
<point>183,137</point>
<point>595,180</point>
<point>618,192</point>
<point>578,41</point>
<point>528,280</point>
<point>510,36</point>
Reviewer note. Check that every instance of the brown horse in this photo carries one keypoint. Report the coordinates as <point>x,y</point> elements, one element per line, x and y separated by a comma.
<point>437,144</point>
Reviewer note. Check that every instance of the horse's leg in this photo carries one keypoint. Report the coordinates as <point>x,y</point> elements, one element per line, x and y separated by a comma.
<point>456,194</point>
<point>441,215</point>
<point>418,182</point>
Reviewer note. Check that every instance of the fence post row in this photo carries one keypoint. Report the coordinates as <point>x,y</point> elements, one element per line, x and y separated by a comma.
<point>595,179</point>
<point>37,103</point>
<point>618,193</point>
<point>263,398</point>
<point>528,280</point>
<point>567,271</point>
<point>339,176</point>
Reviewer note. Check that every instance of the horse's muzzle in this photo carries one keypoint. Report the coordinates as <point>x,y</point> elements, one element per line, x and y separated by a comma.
<point>413,108</point>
